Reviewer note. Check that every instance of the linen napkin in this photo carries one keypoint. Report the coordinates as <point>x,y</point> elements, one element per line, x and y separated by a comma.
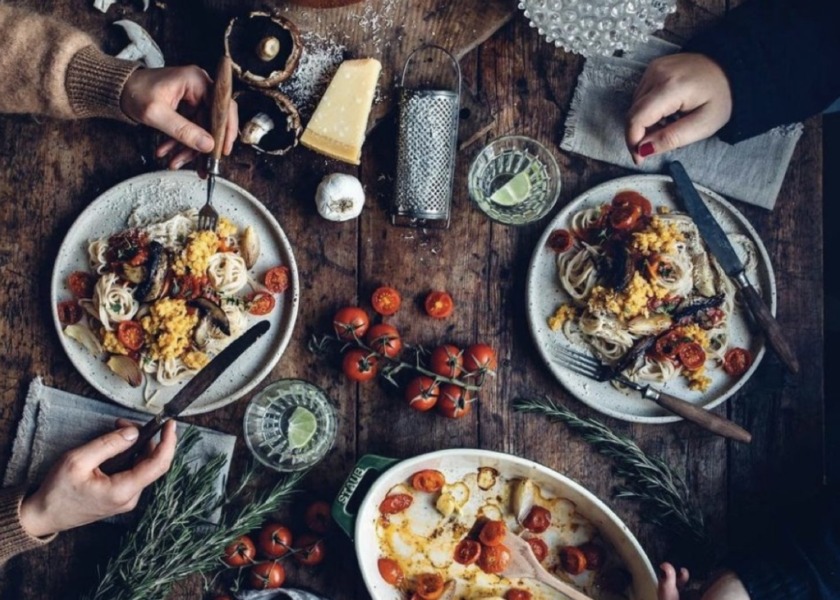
<point>751,170</point>
<point>55,421</point>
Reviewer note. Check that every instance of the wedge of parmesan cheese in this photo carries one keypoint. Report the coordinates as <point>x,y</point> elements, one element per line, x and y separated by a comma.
<point>337,129</point>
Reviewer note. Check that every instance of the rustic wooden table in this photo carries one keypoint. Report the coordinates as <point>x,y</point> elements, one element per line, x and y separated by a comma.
<point>49,172</point>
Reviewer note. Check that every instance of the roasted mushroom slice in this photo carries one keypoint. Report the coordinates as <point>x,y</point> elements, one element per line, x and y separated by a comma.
<point>270,122</point>
<point>265,48</point>
<point>213,313</point>
<point>158,267</point>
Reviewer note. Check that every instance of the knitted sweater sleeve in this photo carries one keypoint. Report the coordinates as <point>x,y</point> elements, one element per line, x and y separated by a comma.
<point>13,537</point>
<point>47,67</point>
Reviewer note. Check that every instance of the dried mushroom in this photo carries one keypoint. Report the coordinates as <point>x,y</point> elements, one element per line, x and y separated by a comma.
<point>265,48</point>
<point>269,121</point>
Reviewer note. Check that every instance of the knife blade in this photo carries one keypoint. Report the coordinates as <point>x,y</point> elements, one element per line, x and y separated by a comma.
<point>720,246</point>
<point>185,396</point>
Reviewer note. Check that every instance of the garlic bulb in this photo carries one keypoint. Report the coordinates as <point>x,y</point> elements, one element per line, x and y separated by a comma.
<point>340,197</point>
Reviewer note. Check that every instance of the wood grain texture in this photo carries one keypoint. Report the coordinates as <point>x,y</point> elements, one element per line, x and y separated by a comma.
<point>49,171</point>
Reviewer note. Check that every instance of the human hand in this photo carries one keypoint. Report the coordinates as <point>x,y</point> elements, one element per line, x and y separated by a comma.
<point>670,584</point>
<point>691,86</point>
<point>153,97</point>
<point>75,492</point>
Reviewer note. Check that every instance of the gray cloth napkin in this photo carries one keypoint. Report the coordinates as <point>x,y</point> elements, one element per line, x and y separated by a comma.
<point>751,170</point>
<point>55,421</point>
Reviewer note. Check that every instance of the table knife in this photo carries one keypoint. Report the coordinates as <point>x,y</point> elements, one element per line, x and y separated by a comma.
<point>185,396</point>
<point>721,247</point>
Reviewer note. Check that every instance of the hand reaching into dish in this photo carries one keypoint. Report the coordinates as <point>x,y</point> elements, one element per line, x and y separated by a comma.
<point>691,87</point>
<point>726,586</point>
<point>154,96</point>
<point>75,492</point>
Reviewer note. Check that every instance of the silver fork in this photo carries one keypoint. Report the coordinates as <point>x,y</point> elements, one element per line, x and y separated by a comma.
<point>590,367</point>
<point>208,218</point>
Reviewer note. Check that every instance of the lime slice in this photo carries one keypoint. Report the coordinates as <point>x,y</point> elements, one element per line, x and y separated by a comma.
<point>302,426</point>
<point>514,191</point>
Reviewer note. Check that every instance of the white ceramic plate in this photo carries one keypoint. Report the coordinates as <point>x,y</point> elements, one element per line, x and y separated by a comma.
<point>163,194</point>
<point>457,463</point>
<point>544,295</point>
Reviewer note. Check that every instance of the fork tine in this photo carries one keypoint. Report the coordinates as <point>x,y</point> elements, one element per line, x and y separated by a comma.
<point>579,363</point>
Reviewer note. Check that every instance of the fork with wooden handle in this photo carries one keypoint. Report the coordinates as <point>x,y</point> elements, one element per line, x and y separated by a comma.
<point>208,218</point>
<point>523,564</point>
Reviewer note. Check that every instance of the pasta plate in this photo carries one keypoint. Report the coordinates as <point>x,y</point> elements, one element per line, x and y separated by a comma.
<point>154,197</point>
<point>545,294</point>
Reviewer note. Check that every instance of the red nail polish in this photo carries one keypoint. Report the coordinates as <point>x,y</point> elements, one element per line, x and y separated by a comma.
<point>646,149</point>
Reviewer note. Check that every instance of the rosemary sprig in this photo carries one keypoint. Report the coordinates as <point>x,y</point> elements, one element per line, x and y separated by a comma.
<point>662,494</point>
<point>174,537</point>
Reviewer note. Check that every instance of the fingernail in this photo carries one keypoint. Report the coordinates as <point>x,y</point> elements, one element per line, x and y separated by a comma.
<point>178,164</point>
<point>205,143</point>
<point>129,434</point>
<point>645,149</point>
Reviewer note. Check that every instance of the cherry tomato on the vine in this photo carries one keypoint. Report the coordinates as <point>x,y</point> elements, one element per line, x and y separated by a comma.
<point>439,304</point>
<point>318,517</point>
<point>454,402</point>
<point>276,279</point>
<point>422,393</point>
<point>480,359</point>
<point>386,301</point>
<point>350,322</point>
<point>267,576</point>
<point>275,540</point>
<point>428,480</point>
<point>446,361</point>
<point>359,365</point>
<point>384,339</point>
<point>240,552</point>
<point>310,550</point>
<point>390,571</point>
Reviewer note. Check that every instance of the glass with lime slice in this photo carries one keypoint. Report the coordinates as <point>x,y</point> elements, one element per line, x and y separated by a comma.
<point>290,425</point>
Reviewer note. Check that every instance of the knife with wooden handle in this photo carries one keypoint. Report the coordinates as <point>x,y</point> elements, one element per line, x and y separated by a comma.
<point>719,244</point>
<point>186,396</point>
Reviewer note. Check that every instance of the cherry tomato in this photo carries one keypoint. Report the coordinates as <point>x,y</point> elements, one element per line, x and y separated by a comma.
<point>446,361</point>
<point>667,344</point>
<point>310,550</point>
<point>692,356</point>
<point>260,303</point>
<point>538,519</point>
<point>390,571</point>
<point>494,559</point>
<point>277,279</point>
<point>395,503</point>
<point>560,240</point>
<point>594,555</point>
<point>130,334</point>
<point>351,322</point>
<point>386,301</point>
<point>538,547</point>
<point>454,401</point>
<point>140,258</point>
<point>480,359</point>
<point>737,361</point>
<point>422,393</point>
<point>635,199</point>
<point>439,305</point>
<point>493,533</point>
<point>318,516</point>
<point>240,552</point>
<point>384,339</point>
<point>189,287</point>
<point>275,540</point>
<point>625,217</point>
<point>69,312</point>
<point>429,586</point>
<point>267,576</point>
<point>428,480</point>
<point>467,552</point>
<point>358,365</point>
<point>517,594</point>
<point>81,284</point>
<point>572,560</point>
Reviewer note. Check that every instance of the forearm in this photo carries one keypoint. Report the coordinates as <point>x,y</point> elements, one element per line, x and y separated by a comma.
<point>780,57</point>
<point>50,68</point>
<point>14,539</point>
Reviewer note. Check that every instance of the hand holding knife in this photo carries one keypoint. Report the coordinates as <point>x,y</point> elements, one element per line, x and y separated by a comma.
<point>722,249</point>
<point>186,396</point>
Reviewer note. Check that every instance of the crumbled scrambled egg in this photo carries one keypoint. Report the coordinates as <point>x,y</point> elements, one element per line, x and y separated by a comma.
<point>112,344</point>
<point>170,328</point>
<point>658,237</point>
<point>697,380</point>
<point>632,302</point>
<point>563,313</point>
<point>195,257</point>
<point>225,229</point>
<point>195,360</point>
<point>697,334</point>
